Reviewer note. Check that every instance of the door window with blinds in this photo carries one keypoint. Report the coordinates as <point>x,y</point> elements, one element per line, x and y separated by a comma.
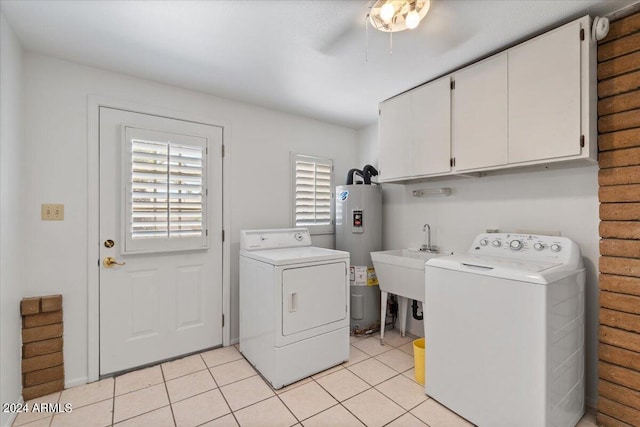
<point>165,191</point>
<point>312,193</point>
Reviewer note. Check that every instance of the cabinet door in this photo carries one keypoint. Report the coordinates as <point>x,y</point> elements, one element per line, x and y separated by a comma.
<point>544,96</point>
<point>480,115</point>
<point>395,137</point>
<point>431,126</point>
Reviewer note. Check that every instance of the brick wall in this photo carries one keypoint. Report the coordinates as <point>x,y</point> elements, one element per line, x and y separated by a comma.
<point>42,361</point>
<point>619,179</point>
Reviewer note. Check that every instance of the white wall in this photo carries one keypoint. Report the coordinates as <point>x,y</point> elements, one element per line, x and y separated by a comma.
<point>11,224</point>
<point>564,200</point>
<point>368,146</point>
<point>258,143</point>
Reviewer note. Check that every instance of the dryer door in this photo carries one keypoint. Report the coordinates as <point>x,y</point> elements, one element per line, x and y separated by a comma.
<point>313,296</point>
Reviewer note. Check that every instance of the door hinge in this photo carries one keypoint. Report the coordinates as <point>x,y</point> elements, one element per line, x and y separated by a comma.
<point>98,262</point>
<point>223,320</point>
<point>206,150</point>
<point>453,84</point>
<point>581,33</point>
<point>223,235</point>
<point>452,161</point>
<point>206,232</point>
<point>222,150</point>
<point>379,112</point>
<point>581,141</point>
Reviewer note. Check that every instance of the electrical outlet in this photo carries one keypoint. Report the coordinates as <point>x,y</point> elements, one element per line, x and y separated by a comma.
<point>52,212</point>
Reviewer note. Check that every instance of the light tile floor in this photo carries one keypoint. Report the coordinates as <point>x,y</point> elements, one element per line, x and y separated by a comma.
<point>376,387</point>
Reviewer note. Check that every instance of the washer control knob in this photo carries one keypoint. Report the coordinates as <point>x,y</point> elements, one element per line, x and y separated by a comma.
<point>516,245</point>
<point>496,243</point>
<point>555,247</point>
<point>299,237</point>
<point>538,246</point>
<point>484,242</point>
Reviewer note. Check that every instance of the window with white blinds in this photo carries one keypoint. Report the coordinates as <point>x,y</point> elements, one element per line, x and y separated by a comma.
<point>165,198</point>
<point>313,193</point>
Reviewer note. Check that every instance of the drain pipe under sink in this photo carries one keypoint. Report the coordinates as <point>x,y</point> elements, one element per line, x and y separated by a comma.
<point>414,308</point>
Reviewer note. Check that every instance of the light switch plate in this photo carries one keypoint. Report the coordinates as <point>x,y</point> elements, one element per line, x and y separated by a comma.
<point>52,212</point>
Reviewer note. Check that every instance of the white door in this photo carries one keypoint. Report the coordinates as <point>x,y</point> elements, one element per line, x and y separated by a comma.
<point>431,128</point>
<point>544,96</point>
<point>395,137</point>
<point>160,238</point>
<point>313,296</point>
<point>480,114</point>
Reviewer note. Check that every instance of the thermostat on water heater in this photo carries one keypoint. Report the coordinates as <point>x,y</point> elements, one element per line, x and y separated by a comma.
<point>357,224</point>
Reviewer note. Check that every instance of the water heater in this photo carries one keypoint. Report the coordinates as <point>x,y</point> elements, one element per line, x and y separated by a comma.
<point>359,231</point>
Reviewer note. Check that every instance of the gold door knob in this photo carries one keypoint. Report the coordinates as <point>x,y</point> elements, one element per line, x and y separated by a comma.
<point>110,262</point>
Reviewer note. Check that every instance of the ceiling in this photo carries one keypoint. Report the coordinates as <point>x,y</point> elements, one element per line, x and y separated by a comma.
<point>301,56</point>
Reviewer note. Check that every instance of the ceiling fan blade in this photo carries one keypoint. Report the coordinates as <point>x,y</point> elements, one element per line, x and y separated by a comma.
<point>350,32</point>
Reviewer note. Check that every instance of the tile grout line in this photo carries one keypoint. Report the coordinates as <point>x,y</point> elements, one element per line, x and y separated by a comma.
<point>223,397</point>
<point>113,403</point>
<point>208,368</point>
<point>142,413</point>
<point>220,390</point>
<point>340,402</point>
<point>193,395</point>
<point>232,412</point>
<point>402,415</point>
<point>374,386</point>
<point>166,389</point>
<point>58,401</point>
<point>295,417</point>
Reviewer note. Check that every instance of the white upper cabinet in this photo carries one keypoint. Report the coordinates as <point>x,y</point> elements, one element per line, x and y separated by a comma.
<point>545,96</point>
<point>532,104</point>
<point>431,117</point>
<point>479,120</point>
<point>395,137</point>
<point>415,132</point>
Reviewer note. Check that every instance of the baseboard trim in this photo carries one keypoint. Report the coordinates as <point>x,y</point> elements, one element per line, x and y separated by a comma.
<point>76,382</point>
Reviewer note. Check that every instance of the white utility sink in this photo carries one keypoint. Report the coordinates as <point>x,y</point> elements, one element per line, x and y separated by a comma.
<point>401,272</point>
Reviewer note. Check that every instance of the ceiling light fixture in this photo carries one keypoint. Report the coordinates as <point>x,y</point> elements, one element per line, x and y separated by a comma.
<point>392,16</point>
<point>398,15</point>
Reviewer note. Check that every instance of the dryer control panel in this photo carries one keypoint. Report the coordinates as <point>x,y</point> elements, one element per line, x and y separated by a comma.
<point>527,246</point>
<point>254,240</point>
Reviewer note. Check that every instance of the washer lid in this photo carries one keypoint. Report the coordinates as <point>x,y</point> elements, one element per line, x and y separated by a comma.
<point>523,270</point>
<point>288,256</point>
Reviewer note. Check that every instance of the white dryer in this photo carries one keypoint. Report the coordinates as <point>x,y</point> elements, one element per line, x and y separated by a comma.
<point>294,304</point>
<point>504,331</point>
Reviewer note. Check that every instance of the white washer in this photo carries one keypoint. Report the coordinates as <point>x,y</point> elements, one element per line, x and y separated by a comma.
<point>294,304</point>
<point>504,331</point>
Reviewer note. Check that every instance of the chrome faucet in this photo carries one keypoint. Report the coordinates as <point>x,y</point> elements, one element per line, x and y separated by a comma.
<point>427,247</point>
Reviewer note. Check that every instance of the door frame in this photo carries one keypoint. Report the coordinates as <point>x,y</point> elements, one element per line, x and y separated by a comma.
<point>93,217</point>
